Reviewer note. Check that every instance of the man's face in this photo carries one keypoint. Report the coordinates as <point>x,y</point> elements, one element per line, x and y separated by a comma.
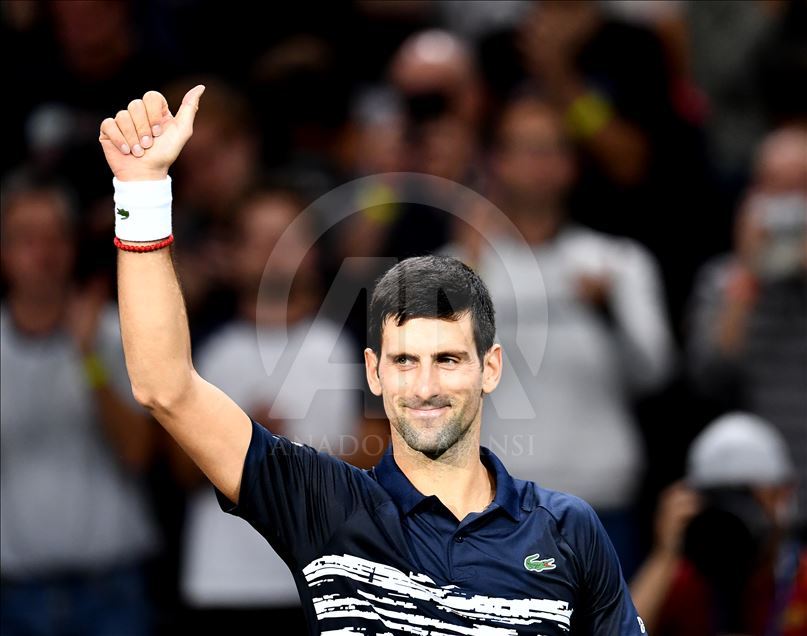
<point>261,224</point>
<point>431,380</point>
<point>37,249</point>
<point>532,161</point>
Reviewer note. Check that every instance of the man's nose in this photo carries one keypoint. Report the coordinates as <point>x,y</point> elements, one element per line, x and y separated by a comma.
<point>427,383</point>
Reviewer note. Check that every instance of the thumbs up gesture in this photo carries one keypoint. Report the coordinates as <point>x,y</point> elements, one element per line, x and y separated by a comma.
<point>141,142</point>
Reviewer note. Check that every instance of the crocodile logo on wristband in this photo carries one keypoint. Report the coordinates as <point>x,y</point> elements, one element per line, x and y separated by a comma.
<point>124,214</point>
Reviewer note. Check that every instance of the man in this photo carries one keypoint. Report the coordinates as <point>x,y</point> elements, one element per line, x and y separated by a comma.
<point>726,559</point>
<point>747,338</point>
<point>75,527</point>
<point>438,537</point>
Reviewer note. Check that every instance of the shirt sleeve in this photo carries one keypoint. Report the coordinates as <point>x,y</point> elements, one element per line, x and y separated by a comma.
<point>606,606</point>
<point>294,496</point>
<point>637,301</point>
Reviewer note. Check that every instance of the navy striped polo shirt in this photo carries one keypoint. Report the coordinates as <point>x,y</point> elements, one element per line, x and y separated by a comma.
<point>372,555</point>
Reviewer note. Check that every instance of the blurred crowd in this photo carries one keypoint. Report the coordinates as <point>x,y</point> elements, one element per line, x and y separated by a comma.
<point>628,177</point>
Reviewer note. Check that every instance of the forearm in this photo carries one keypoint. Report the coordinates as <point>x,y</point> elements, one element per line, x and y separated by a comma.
<point>732,323</point>
<point>127,429</point>
<point>207,424</point>
<point>716,335</point>
<point>156,342</point>
<point>651,585</point>
<point>621,150</point>
<point>154,327</point>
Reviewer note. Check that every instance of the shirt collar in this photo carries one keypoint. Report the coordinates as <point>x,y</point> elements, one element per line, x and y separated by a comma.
<point>407,497</point>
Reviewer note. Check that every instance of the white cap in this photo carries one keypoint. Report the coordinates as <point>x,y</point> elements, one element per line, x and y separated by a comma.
<point>739,449</point>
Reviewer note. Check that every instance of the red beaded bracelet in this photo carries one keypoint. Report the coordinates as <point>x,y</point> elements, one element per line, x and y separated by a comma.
<point>126,247</point>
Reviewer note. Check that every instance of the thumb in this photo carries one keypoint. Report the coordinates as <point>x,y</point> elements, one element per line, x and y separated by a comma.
<point>187,111</point>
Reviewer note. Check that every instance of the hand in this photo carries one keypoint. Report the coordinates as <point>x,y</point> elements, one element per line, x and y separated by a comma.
<point>750,236</point>
<point>141,142</point>
<point>594,289</point>
<point>83,312</point>
<point>677,505</point>
<point>742,287</point>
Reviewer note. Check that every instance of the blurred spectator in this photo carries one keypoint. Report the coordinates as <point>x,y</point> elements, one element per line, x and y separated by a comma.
<point>748,336</point>
<point>229,576</point>
<point>75,527</point>
<point>436,74</point>
<point>640,172</point>
<point>725,560</point>
<point>601,310</point>
<point>437,100</point>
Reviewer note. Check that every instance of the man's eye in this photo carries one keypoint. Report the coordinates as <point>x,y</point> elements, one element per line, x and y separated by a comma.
<point>401,359</point>
<point>448,361</point>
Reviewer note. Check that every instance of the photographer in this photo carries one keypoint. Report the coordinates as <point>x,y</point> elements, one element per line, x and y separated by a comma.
<point>747,340</point>
<point>725,560</point>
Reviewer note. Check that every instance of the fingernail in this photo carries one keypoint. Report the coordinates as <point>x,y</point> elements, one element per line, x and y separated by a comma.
<point>156,130</point>
<point>146,140</point>
<point>137,150</point>
<point>125,149</point>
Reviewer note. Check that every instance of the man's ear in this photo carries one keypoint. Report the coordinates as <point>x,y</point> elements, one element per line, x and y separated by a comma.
<point>492,368</point>
<point>371,370</point>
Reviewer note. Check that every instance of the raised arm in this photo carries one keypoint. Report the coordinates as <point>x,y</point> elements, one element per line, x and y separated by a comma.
<point>140,144</point>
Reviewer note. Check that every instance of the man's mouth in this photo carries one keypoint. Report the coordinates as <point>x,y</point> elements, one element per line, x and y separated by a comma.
<point>427,412</point>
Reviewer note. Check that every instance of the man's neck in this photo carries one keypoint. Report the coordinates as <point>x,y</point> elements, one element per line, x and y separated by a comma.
<point>537,219</point>
<point>537,225</point>
<point>458,478</point>
<point>37,316</point>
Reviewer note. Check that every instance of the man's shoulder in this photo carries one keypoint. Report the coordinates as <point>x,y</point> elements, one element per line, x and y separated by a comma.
<point>616,247</point>
<point>569,512</point>
<point>264,442</point>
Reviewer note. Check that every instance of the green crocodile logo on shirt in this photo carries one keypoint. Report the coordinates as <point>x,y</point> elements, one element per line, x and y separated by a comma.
<point>535,563</point>
<point>124,214</point>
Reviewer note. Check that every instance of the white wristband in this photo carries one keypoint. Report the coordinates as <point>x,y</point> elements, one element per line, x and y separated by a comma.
<point>142,209</point>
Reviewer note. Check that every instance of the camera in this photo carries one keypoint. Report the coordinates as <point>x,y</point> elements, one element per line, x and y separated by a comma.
<point>726,543</point>
<point>783,219</point>
<point>422,108</point>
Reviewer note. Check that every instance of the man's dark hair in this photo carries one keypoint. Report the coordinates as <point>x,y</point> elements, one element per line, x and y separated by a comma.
<point>432,287</point>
